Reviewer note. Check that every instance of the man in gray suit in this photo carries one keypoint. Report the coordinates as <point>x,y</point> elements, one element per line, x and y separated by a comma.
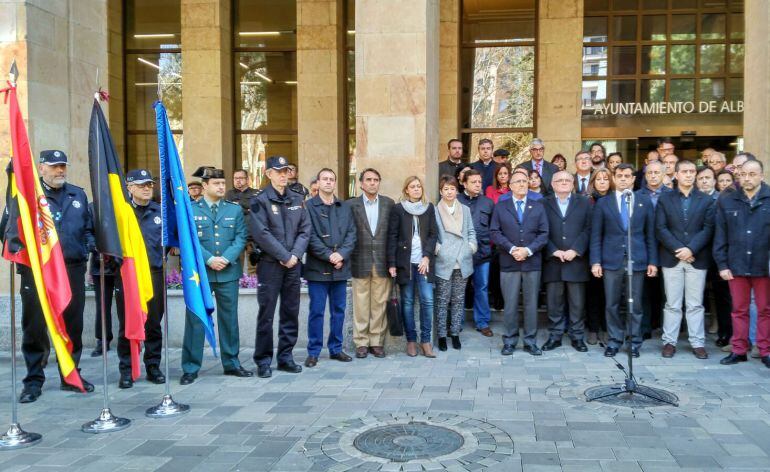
<point>371,284</point>
<point>543,167</point>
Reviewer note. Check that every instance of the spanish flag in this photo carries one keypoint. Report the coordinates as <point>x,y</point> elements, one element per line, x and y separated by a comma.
<point>117,231</point>
<point>31,239</point>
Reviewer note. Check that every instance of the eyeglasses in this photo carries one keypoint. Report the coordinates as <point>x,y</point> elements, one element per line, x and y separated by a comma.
<point>562,181</point>
<point>519,181</point>
<point>537,149</point>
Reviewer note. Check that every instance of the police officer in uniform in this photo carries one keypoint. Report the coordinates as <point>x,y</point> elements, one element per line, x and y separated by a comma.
<point>75,228</point>
<point>140,186</point>
<point>222,234</point>
<point>280,226</point>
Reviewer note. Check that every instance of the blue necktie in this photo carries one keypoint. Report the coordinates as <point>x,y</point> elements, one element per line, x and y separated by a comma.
<point>520,210</point>
<point>624,213</point>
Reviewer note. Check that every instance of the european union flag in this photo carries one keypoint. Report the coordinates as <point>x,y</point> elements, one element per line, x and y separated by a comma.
<point>179,227</point>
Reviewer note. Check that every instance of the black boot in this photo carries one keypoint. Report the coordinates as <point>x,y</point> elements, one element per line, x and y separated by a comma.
<point>456,342</point>
<point>98,349</point>
<point>442,344</point>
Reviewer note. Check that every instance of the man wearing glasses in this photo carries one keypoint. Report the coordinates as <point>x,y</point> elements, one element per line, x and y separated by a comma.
<point>537,163</point>
<point>665,147</point>
<point>140,185</point>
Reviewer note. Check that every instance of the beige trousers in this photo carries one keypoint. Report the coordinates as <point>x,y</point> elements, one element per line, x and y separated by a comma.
<point>370,297</point>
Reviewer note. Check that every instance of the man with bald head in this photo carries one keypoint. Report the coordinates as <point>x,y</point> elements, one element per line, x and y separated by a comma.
<point>565,267</point>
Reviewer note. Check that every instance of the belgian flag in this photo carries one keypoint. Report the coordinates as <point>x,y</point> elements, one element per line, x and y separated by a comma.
<point>117,231</point>
<point>30,239</point>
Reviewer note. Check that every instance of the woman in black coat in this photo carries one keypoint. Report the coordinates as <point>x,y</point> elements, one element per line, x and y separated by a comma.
<point>412,236</point>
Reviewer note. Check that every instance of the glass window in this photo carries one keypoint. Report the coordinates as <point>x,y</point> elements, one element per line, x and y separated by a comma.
<point>736,58</point>
<point>624,28</point>
<point>682,90</point>
<point>654,28</point>
<point>595,29</point>
<point>735,89</point>
<point>712,89</point>
<point>484,22</point>
<point>625,4</point>
<point>683,27</point>
<point>683,59</point>
<point>256,147</point>
<point>712,58</point>
<point>153,24</point>
<point>653,91</point>
<point>265,23</point>
<point>624,60</point>
<point>654,59</point>
<point>144,151</point>
<point>684,4</point>
<point>596,5</point>
<point>623,91</point>
<point>737,28</point>
<point>350,97</point>
<point>143,71</point>
<point>268,90</point>
<point>595,60</point>
<point>516,143</point>
<point>654,4</point>
<point>713,26</point>
<point>594,93</point>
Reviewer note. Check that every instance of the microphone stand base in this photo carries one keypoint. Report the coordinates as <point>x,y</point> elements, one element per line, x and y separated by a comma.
<point>17,438</point>
<point>167,408</point>
<point>106,423</point>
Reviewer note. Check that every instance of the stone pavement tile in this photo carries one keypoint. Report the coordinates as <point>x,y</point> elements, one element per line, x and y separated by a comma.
<point>540,458</point>
<point>586,454</point>
<point>580,465</point>
<point>179,464</point>
<point>688,446</point>
<point>593,438</point>
<point>636,428</point>
<point>534,446</point>
<point>758,431</point>
<point>642,453</point>
<point>152,447</point>
<point>189,451</point>
<point>592,426</point>
<point>229,427</point>
<point>620,466</point>
<point>552,433</point>
<point>700,462</point>
<point>743,462</point>
<point>662,466</point>
<point>746,449</point>
<point>272,448</point>
<point>451,405</point>
<point>645,441</point>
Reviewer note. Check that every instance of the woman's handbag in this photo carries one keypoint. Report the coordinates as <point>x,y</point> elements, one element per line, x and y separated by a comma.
<point>393,311</point>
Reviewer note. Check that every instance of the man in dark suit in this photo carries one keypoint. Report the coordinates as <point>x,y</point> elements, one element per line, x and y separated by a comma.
<point>454,159</point>
<point>519,229</point>
<point>485,165</point>
<point>543,167</point>
<point>684,225</point>
<point>371,284</point>
<point>610,223</point>
<point>565,270</point>
<point>583,172</point>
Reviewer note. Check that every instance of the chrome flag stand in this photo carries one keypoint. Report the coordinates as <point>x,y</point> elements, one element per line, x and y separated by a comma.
<point>167,406</point>
<point>15,437</point>
<point>106,422</point>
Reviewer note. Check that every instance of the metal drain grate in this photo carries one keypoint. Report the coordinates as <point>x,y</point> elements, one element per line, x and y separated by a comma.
<point>406,442</point>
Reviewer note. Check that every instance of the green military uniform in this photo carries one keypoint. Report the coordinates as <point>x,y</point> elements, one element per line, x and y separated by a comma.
<point>222,233</point>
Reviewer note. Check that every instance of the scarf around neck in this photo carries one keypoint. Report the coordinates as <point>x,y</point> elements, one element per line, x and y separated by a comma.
<point>452,222</point>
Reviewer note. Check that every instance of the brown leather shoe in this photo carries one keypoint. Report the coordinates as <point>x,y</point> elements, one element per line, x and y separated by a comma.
<point>486,332</point>
<point>362,352</point>
<point>377,351</point>
<point>411,349</point>
<point>311,361</point>
<point>700,353</point>
<point>668,351</point>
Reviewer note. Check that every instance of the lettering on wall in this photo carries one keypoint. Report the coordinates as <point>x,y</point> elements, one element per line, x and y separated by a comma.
<point>667,108</point>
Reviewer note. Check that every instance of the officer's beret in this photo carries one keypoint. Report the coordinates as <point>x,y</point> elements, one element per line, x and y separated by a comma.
<point>138,176</point>
<point>53,157</point>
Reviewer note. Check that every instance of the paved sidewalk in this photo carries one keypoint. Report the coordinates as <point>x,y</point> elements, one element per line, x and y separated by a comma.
<point>307,421</point>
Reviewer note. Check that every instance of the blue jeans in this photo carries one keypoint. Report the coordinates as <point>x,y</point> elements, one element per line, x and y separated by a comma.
<point>481,313</point>
<point>426,306</point>
<point>319,292</point>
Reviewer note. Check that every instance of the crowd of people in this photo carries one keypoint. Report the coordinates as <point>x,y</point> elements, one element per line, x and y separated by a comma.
<point>497,234</point>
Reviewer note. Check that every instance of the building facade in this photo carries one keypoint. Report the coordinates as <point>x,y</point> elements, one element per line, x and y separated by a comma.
<point>350,84</point>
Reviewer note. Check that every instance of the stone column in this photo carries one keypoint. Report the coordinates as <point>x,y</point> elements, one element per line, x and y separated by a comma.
<point>207,85</point>
<point>559,76</point>
<point>449,58</point>
<point>320,107</point>
<point>756,108</point>
<point>397,90</point>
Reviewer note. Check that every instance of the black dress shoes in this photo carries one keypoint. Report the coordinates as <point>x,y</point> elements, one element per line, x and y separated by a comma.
<point>722,342</point>
<point>579,345</point>
<point>534,350</point>
<point>264,371</point>
<point>340,356</point>
<point>311,361</point>
<point>154,375</point>
<point>610,352</point>
<point>635,352</point>
<point>734,358</point>
<point>98,349</point>
<point>239,372</point>
<point>508,350</point>
<point>187,379</point>
<point>29,395</point>
<point>290,367</point>
<point>766,361</point>
<point>551,344</point>
<point>456,344</point>
<point>125,381</point>
<point>87,386</point>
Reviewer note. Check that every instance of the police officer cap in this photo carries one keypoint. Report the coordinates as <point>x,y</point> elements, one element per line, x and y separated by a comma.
<point>138,176</point>
<point>501,152</point>
<point>200,171</point>
<point>53,157</point>
<point>277,163</point>
<point>212,173</point>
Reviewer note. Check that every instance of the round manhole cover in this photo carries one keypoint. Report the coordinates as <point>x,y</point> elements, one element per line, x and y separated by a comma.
<point>643,396</point>
<point>406,442</point>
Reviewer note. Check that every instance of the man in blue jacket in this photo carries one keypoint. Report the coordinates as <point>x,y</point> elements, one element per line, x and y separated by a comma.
<point>612,217</point>
<point>519,229</point>
<point>684,224</point>
<point>741,247</point>
<point>481,212</point>
<point>327,268</point>
<point>280,227</point>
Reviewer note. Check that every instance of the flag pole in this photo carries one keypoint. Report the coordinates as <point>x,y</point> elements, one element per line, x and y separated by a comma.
<point>106,422</point>
<point>15,437</point>
<point>167,406</point>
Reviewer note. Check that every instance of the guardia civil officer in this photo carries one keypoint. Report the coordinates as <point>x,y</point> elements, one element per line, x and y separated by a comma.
<point>140,186</point>
<point>222,234</point>
<point>280,226</point>
<point>75,228</point>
